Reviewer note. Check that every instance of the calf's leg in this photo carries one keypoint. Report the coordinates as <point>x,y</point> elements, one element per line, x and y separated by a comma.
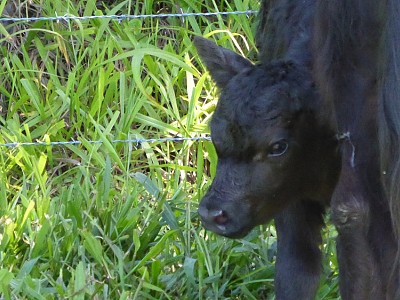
<point>298,264</point>
<point>358,270</point>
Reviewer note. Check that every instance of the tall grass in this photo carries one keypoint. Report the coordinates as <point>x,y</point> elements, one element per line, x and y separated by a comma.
<point>118,221</point>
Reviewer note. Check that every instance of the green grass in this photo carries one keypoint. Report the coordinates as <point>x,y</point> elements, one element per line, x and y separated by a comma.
<point>119,221</point>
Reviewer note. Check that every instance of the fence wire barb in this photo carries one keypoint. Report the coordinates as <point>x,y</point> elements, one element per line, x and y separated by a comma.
<point>138,142</point>
<point>126,17</point>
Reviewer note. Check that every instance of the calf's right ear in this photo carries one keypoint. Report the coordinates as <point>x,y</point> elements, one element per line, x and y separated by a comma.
<point>223,64</point>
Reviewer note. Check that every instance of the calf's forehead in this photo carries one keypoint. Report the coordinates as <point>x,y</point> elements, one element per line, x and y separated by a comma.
<point>251,107</point>
<point>245,105</point>
<point>248,125</point>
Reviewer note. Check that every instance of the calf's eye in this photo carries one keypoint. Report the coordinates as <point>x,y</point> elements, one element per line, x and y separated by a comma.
<point>278,148</point>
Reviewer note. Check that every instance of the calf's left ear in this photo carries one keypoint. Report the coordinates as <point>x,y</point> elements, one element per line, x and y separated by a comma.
<point>223,64</point>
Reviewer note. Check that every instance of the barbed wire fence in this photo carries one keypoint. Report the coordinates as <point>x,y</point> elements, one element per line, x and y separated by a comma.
<point>126,17</point>
<point>119,18</point>
<point>137,141</point>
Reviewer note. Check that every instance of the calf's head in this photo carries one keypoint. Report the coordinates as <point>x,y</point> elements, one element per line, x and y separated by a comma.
<point>271,152</point>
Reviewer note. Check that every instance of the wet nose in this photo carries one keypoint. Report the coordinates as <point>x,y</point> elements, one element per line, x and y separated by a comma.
<point>217,216</point>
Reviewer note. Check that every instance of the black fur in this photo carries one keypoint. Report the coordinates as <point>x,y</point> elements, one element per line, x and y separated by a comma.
<point>287,150</point>
<point>261,106</point>
<point>356,56</point>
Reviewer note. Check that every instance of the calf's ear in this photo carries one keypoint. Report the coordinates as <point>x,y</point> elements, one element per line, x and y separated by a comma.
<point>223,64</point>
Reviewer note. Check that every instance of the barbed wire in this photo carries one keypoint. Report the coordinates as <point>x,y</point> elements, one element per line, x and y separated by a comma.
<point>126,17</point>
<point>137,141</point>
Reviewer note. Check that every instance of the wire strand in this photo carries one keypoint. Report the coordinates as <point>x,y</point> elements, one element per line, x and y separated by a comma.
<point>125,17</point>
<point>132,141</point>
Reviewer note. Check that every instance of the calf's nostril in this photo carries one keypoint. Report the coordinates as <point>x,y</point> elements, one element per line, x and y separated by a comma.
<point>216,216</point>
<point>220,217</point>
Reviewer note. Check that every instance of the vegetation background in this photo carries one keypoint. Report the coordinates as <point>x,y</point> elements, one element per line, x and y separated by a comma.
<point>118,220</point>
